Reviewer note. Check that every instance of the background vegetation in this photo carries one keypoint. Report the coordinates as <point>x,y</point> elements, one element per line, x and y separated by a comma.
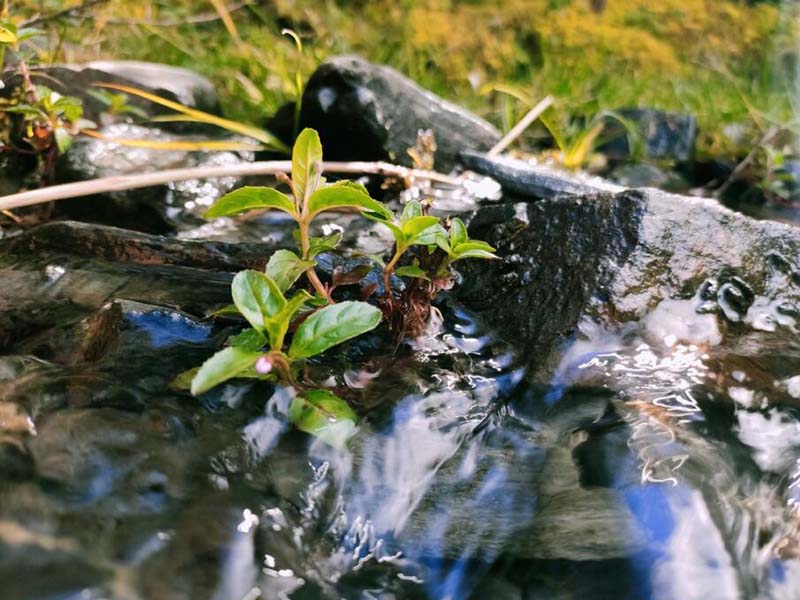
<point>727,61</point>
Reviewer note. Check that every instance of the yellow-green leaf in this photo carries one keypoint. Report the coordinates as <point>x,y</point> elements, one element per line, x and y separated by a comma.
<point>306,154</point>
<point>224,365</point>
<point>248,130</point>
<point>7,36</point>
<point>187,145</point>
<point>250,198</point>
<point>338,197</point>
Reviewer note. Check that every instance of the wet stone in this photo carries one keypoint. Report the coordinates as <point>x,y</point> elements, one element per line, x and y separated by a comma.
<point>532,180</point>
<point>365,111</point>
<point>16,462</point>
<point>173,83</point>
<point>617,257</point>
<point>157,209</point>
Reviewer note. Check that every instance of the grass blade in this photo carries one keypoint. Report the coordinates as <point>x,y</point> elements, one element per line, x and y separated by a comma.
<point>263,136</point>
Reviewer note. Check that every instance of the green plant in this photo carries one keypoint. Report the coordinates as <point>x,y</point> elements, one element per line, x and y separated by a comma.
<point>310,196</point>
<point>49,121</point>
<point>317,322</point>
<point>116,104</point>
<point>298,78</point>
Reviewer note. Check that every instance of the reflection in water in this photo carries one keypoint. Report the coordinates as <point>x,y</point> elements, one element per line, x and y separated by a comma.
<point>662,460</point>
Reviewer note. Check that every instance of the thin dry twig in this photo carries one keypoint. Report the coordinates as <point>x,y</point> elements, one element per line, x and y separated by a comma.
<point>524,123</point>
<point>142,180</point>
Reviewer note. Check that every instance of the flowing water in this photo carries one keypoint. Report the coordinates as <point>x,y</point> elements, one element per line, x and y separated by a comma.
<point>661,461</point>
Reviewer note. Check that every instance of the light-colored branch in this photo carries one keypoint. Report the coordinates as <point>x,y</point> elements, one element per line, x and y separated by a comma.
<point>524,123</point>
<point>130,182</point>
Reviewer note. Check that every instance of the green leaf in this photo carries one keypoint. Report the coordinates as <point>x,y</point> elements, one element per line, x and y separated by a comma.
<point>397,232</point>
<point>474,254</point>
<point>257,297</point>
<point>248,198</point>
<point>318,245</point>
<point>248,339</point>
<point>333,325</point>
<point>183,382</point>
<point>416,225</point>
<point>349,183</point>
<point>324,415</point>
<point>63,139</point>
<point>412,209</point>
<point>278,325</point>
<point>307,152</point>
<point>411,271</point>
<point>7,36</point>
<point>472,245</point>
<point>224,365</point>
<point>285,267</point>
<point>336,197</point>
<point>458,232</point>
<point>226,311</point>
<point>430,236</point>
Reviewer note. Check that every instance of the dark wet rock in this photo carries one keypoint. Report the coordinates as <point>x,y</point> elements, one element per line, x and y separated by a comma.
<point>173,83</point>
<point>158,209</point>
<point>59,278</point>
<point>641,175</point>
<point>16,463</point>
<point>281,124</point>
<point>663,135</point>
<point>365,111</point>
<point>529,180</point>
<point>125,246</point>
<point>619,256</point>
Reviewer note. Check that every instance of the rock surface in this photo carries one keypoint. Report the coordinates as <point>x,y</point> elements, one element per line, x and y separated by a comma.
<point>664,135</point>
<point>529,180</point>
<point>158,209</point>
<point>183,85</point>
<point>172,83</point>
<point>365,111</point>
<point>619,256</point>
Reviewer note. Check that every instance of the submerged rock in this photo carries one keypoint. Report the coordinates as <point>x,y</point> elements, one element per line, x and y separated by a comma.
<point>619,256</point>
<point>158,209</point>
<point>365,111</point>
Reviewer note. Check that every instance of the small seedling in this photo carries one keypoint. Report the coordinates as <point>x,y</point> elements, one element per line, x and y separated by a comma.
<point>317,322</point>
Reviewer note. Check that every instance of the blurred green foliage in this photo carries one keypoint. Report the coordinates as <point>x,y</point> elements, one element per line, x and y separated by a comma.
<point>723,60</point>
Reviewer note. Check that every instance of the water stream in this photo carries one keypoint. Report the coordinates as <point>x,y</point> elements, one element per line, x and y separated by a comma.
<point>661,461</point>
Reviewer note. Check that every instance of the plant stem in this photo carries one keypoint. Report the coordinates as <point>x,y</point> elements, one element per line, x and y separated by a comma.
<point>387,271</point>
<point>310,272</point>
<point>282,367</point>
